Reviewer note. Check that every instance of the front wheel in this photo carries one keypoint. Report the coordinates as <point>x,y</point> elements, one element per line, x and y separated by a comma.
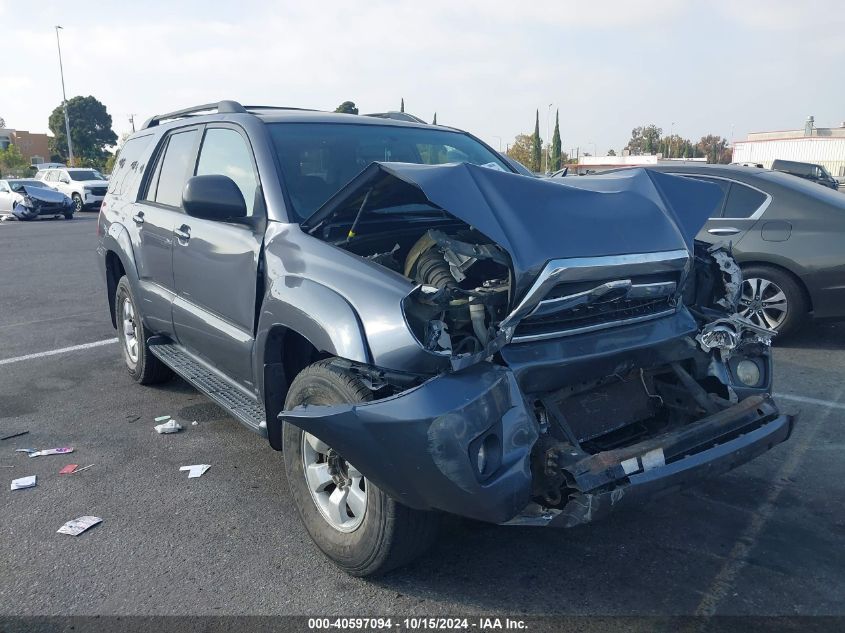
<point>355,524</point>
<point>77,202</point>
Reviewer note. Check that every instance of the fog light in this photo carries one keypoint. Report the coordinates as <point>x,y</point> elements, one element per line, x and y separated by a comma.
<point>481,462</point>
<point>748,372</point>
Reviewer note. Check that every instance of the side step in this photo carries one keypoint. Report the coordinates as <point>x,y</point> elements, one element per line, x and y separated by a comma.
<point>232,398</point>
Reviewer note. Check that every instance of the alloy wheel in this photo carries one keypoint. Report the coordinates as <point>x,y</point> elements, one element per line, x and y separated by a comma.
<point>130,330</point>
<point>763,302</point>
<point>338,489</point>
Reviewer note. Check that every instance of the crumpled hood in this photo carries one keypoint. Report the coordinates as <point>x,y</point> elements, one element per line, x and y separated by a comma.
<point>44,194</point>
<point>537,220</point>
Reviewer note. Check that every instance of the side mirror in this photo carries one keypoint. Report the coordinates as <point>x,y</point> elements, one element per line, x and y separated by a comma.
<point>213,197</point>
<point>65,180</point>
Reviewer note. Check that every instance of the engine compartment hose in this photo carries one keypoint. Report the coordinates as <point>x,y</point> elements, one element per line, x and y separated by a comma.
<point>477,313</point>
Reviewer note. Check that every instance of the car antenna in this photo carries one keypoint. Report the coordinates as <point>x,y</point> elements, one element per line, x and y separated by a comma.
<point>354,226</point>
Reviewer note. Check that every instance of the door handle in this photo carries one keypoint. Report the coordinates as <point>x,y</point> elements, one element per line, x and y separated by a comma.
<point>138,218</point>
<point>728,230</point>
<point>183,233</point>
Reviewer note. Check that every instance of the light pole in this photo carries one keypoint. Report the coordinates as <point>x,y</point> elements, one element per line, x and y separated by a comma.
<point>671,135</point>
<point>499,138</point>
<point>64,100</point>
<point>548,116</point>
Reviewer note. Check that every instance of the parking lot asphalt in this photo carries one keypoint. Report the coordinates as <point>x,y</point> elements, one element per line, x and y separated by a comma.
<point>765,539</point>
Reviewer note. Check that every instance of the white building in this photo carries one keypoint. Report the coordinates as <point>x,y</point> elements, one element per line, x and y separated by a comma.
<point>597,164</point>
<point>823,146</point>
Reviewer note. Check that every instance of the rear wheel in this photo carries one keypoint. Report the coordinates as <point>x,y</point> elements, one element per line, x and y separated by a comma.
<point>772,298</point>
<point>356,525</point>
<point>142,365</point>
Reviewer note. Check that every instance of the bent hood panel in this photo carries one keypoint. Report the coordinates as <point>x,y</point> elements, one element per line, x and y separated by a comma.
<point>43,194</point>
<point>534,220</point>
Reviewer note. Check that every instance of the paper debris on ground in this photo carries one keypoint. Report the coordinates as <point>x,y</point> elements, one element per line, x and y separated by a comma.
<point>194,423</point>
<point>168,427</point>
<point>8,437</point>
<point>196,470</point>
<point>68,469</point>
<point>162,418</point>
<point>78,526</point>
<point>23,482</point>
<point>53,451</point>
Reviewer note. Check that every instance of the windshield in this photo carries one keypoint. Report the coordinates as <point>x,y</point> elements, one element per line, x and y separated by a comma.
<point>85,174</point>
<point>17,185</point>
<point>317,159</point>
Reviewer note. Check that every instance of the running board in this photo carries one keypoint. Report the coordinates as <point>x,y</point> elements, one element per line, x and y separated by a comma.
<point>233,399</point>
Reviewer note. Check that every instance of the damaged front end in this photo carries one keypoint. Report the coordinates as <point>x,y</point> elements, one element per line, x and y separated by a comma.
<point>568,384</point>
<point>36,201</point>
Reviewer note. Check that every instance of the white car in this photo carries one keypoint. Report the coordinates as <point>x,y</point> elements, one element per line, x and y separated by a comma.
<point>86,186</point>
<point>27,198</point>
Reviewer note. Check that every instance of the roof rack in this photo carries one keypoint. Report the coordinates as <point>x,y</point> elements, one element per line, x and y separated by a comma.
<point>397,116</point>
<point>221,107</point>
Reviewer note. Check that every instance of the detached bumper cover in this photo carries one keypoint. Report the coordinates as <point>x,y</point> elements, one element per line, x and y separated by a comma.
<point>421,447</point>
<point>416,446</point>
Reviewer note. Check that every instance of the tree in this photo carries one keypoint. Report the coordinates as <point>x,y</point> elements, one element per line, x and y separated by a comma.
<point>90,131</point>
<point>715,148</point>
<point>555,156</point>
<point>347,107</point>
<point>402,105</point>
<point>435,119</point>
<point>12,161</point>
<point>644,140</point>
<point>611,152</point>
<point>536,146</point>
<point>520,149</point>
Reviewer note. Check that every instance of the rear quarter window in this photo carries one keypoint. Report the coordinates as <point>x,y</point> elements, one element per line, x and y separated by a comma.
<point>743,201</point>
<point>129,165</point>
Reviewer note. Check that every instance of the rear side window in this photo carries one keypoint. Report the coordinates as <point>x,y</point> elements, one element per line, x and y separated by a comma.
<point>174,167</point>
<point>225,152</point>
<point>724,185</point>
<point>743,201</point>
<point>127,166</point>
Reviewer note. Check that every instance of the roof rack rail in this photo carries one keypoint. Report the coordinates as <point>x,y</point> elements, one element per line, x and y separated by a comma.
<point>397,116</point>
<point>270,107</point>
<point>221,107</point>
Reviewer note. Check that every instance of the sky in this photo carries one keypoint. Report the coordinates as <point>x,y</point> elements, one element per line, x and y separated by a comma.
<point>726,67</point>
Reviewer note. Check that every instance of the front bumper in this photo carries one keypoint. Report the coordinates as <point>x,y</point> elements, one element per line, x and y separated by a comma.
<point>422,446</point>
<point>92,200</point>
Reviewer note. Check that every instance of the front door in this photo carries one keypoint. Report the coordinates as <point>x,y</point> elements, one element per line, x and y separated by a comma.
<point>215,264</point>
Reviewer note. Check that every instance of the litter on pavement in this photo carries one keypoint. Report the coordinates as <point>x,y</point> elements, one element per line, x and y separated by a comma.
<point>168,427</point>
<point>162,418</point>
<point>78,526</point>
<point>8,437</point>
<point>67,470</point>
<point>52,451</point>
<point>194,423</point>
<point>26,450</point>
<point>23,482</point>
<point>196,470</point>
<point>79,470</point>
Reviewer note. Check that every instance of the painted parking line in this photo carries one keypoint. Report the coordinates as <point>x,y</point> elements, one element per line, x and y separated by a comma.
<point>63,350</point>
<point>830,404</point>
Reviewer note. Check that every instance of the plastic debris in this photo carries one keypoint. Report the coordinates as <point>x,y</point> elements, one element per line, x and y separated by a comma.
<point>52,451</point>
<point>78,526</point>
<point>168,427</point>
<point>194,423</point>
<point>23,482</point>
<point>67,470</point>
<point>26,450</point>
<point>196,470</point>
<point>79,470</point>
<point>8,437</point>
<point>162,418</point>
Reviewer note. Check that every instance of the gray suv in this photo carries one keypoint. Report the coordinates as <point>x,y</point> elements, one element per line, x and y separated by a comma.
<point>421,330</point>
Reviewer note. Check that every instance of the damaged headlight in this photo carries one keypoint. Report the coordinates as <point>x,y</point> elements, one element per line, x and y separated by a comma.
<point>27,202</point>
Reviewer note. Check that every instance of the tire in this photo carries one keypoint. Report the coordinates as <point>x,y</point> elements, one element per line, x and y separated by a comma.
<point>77,202</point>
<point>387,534</point>
<point>782,305</point>
<point>68,216</point>
<point>145,368</point>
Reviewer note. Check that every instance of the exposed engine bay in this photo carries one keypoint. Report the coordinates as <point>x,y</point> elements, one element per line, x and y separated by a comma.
<point>595,372</point>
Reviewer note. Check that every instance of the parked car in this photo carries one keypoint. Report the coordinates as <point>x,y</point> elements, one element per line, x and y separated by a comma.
<point>86,187</point>
<point>808,171</point>
<point>420,337</point>
<point>787,235</point>
<point>27,198</point>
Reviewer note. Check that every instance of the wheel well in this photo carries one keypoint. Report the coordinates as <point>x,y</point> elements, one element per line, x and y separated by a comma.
<point>786,271</point>
<point>114,271</point>
<point>286,353</point>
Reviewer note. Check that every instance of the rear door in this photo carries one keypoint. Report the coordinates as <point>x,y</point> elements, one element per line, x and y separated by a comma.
<point>215,263</point>
<point>152,219</point>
